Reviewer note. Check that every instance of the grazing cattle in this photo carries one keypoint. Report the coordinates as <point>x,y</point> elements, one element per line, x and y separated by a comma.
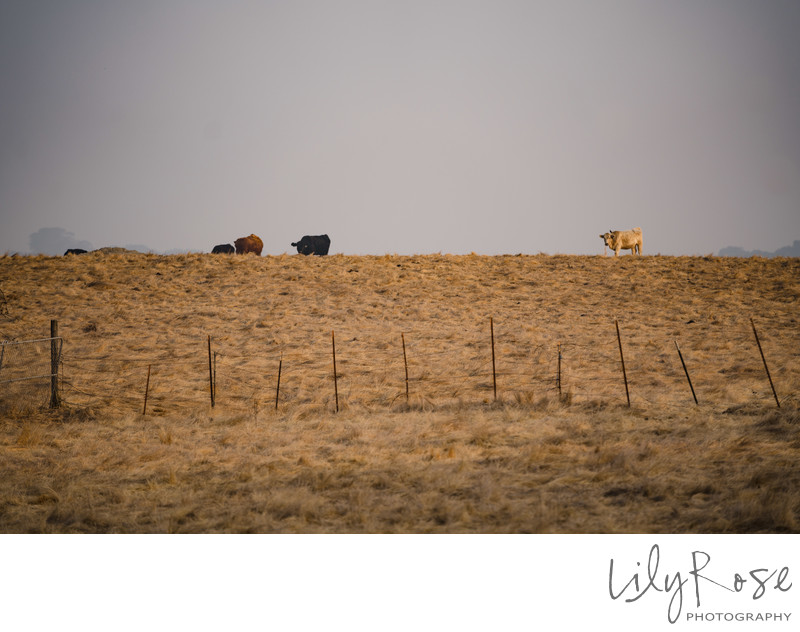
<point>252,244</point>
<point>75,251</point>
<point>313,245</point>
<point>223,249</point>
<point>624,240</point>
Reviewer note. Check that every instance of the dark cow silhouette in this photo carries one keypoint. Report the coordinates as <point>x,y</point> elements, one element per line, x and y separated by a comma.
<point>313,245</point>
<point>223,249</point>
<point>252,244</point>
<point>75,251</point>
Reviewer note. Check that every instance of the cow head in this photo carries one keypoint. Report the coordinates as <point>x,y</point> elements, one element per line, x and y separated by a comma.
<point>304,246</point>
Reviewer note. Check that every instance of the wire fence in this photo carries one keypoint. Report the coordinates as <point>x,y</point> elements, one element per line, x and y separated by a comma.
<point>28,370</point>
<point>413,369</point>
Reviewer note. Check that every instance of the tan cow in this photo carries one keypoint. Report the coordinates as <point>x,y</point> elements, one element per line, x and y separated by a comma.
<point>252,244</point>
<point>624,240</point>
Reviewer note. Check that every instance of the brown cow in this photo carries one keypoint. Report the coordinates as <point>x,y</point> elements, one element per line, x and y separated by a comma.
<point>624,240</point>
<point>252,244</point>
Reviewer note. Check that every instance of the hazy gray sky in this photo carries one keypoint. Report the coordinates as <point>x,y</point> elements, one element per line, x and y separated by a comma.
<point>401,126</point>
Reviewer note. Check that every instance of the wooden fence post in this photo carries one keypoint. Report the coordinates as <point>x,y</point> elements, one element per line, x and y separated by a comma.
<point>55,400</point>
<point>685,370</point>
<point>558,374</point>
<point>764,360</point>
<point>335,379</point>
<point>405,361</point>
<point>622,360</point>
<point>146,391</point>
<point>210,373</point>
<point>494,370</point>
<point>278,388</point>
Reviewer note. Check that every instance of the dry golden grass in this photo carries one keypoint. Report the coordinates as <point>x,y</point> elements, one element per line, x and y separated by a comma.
<point>448,459</point>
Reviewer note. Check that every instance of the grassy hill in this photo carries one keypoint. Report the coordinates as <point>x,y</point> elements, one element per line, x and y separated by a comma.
<point>448,455</point>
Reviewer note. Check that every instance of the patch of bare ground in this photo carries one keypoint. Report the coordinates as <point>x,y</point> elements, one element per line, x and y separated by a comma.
<point>444,456</point>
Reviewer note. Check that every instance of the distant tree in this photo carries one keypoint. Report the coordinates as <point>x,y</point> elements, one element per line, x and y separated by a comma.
<point>786,251</point>
<point>789,251</point>
<point>733,251</point>
<point>55,241</point>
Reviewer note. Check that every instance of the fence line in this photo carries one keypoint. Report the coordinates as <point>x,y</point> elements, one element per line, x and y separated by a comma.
<point>390,369</point>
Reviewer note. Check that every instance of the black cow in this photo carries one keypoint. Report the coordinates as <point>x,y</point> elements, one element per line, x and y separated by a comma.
<point>75,251</point>
<point>313,245</point>
<point>223,249</point>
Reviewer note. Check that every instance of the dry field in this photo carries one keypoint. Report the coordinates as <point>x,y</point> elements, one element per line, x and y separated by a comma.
<point>450,457</point>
